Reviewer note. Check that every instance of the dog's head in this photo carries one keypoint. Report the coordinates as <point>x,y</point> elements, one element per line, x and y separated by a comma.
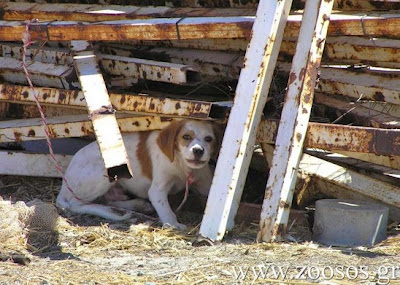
<point>196,142</point>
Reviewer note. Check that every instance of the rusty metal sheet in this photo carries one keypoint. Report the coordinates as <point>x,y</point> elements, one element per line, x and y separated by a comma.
<point>72,126</point>
<point>135,103</point>
<point>356,112</point>
<point>216,64</point>
<point>58,56</point>
<point>95,13</point>
<point>333,137</point>
<point>42,74</point>
<point>149,69</point>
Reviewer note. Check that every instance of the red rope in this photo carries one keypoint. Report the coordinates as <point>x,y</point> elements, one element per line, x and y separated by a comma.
<point>27,40</point>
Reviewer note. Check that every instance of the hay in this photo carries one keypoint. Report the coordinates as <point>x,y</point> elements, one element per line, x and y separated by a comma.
<point>20,219</point>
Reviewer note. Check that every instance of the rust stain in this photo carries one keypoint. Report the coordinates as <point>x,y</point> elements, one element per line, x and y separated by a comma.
<point>378,96</point>
<point>31,133</point>
<point>284,205</point>
<point>292,77</point>
<point>25,94</point>
<point>66,130</point>
<point>17,136</point>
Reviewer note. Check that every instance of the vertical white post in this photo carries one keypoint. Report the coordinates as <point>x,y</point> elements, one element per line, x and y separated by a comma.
<point>294,120</point>
<point>251,96</point>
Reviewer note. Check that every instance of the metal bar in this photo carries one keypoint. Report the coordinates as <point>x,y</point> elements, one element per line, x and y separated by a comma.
<point>342,24</point>
<point>101,112</point>
<point>294,121</point>
<point>31,164</point>
<point>131,103</point>
<point>251,96</point>
<point>384,142</point>
<point>149,69</point>
<point>72,126</point>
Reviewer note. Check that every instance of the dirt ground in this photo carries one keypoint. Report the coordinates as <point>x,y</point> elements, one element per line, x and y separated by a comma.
<point>90,250</point>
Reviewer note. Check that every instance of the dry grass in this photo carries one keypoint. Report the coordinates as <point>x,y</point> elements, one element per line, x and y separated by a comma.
<point>90,250</point>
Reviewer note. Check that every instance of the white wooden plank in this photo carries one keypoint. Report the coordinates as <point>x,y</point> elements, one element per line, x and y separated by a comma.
<point>101,111</point>
<point>31,164</point>
<point>251,96</point>
<point>294,121</point>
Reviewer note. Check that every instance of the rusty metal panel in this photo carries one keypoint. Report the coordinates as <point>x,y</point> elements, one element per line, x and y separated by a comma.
<point>42,74</point>
<point>149,69</point>
<point>56,56</point>
<point>333,137</point>
<point>101,112</point>
<point>72,126</point>
<point>216,64</point>
<point>144,104</point>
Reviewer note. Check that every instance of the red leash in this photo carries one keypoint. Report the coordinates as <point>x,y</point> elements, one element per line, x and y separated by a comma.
<point>189,181</point>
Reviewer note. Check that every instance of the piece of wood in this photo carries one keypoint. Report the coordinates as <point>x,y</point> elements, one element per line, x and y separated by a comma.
<point>101,112</point>
<point>251,96</point>
<point>390,161</point>
<point>294,121</point>
<point>31,164</point>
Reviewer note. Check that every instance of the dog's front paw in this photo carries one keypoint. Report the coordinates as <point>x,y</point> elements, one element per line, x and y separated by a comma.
<point>175,226</point>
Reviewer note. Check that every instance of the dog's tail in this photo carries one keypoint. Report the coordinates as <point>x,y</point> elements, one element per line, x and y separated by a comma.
<point>107,212</point>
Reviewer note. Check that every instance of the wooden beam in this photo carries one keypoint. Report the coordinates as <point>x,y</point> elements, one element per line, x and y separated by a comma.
<point>251,96</point>
<point>101,112</point>
<point>31,164</point>
<point>294,121</point>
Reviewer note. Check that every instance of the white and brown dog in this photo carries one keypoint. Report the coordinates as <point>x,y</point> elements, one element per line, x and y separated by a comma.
<point>162,162</point>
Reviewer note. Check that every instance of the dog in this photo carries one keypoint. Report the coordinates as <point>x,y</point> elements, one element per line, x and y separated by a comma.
<point>162,162</point>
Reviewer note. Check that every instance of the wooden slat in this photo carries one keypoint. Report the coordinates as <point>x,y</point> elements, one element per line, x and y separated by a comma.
<point>101,112</point>
<point>294,121</point>
<point>251,96</point>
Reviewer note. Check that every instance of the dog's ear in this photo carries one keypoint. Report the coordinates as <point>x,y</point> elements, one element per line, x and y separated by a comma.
<point>166,138</point>
<point>219,130</point>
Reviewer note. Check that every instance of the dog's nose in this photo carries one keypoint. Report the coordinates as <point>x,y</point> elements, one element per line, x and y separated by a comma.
<point>198,152</point>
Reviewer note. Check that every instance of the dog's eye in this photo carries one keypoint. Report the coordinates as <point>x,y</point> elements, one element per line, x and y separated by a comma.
<point>186,137</point>
<point>208,139</point>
